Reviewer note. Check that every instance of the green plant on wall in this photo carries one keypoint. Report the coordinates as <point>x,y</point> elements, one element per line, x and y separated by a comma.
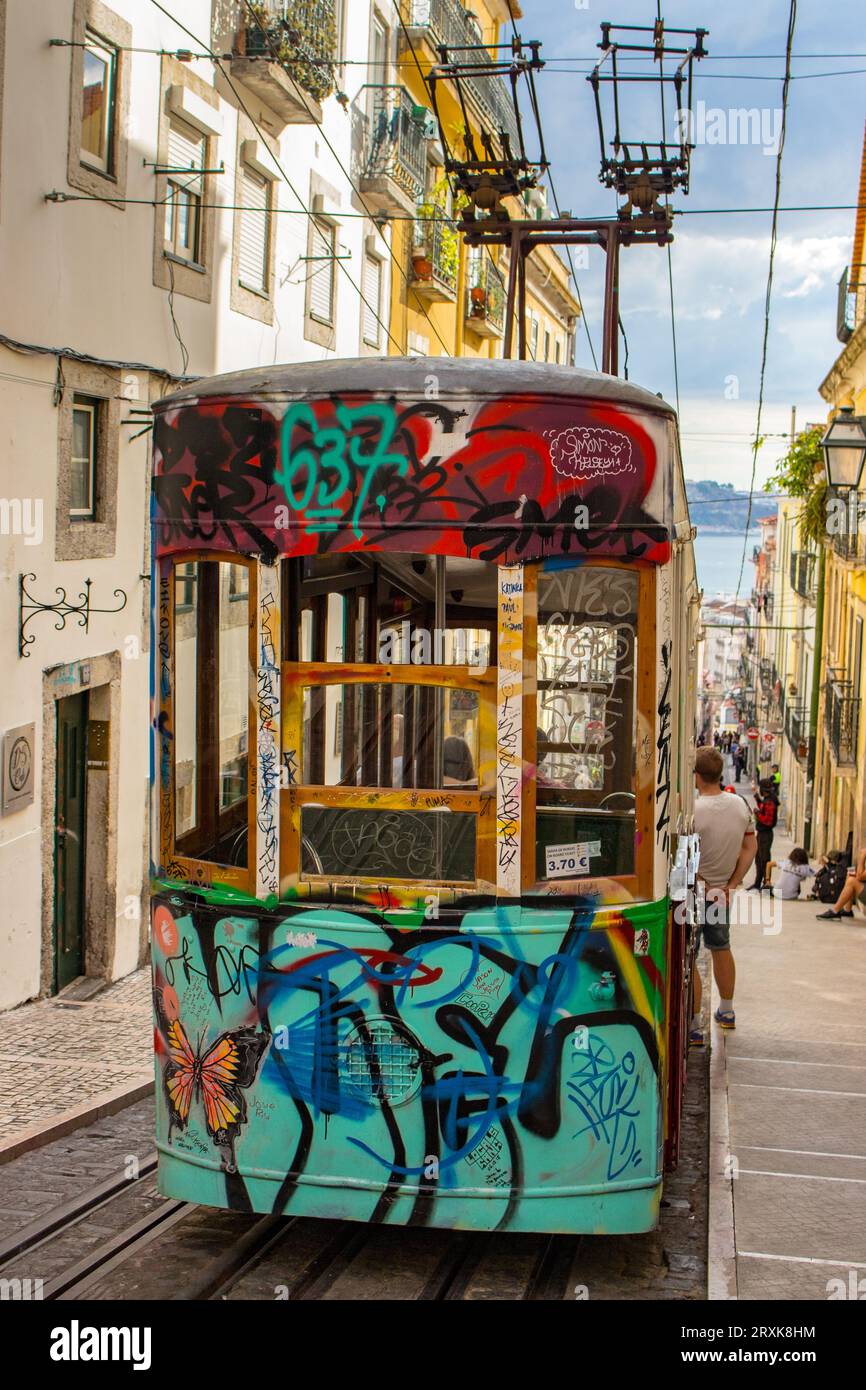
<point>447,236</point>
<point>300,41</point>
<point>799,474</point>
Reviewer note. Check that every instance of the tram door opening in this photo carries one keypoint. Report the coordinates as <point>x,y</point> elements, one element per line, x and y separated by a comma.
<point>70,825</point>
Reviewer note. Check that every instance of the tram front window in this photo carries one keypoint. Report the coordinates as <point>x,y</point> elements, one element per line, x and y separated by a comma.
<point>395,715</point>
<point>587,648</point>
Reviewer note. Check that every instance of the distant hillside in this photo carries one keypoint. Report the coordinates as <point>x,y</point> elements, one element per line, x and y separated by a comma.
<point>721,507</point>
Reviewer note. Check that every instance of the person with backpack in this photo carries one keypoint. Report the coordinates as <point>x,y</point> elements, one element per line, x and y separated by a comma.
<point>766,818</point>
<point>855,882</point>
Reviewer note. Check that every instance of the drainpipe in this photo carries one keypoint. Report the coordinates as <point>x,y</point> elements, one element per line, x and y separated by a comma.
<point>813,711</point>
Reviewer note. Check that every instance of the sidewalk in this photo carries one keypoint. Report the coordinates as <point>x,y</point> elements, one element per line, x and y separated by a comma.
<point>60,1061</point>
<point>794,1077</point>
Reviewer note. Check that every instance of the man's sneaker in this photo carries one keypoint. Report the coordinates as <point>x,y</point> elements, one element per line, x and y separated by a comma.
<point>725,1020</point>
<point>830,915</point>
<point>696,1037</point>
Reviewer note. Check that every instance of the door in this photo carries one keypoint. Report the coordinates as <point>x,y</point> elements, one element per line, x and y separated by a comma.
<point>69,839</point>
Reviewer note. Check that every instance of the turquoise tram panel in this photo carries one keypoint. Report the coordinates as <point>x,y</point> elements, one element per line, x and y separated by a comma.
<point>498,1071</point>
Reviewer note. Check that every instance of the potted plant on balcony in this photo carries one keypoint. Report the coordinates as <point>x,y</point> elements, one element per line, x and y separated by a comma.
<point>478,301</point>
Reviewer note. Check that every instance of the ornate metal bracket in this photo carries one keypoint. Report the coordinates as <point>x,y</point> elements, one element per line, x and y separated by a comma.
<point>29,607</point>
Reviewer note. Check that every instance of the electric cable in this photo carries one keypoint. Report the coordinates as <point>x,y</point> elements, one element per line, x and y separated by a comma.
<point>792,20</point>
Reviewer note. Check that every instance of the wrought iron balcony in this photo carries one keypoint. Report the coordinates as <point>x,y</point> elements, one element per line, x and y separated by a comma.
<point>435,256</point>
<point>286,55</point>
<point>485,297</point>
<point>803,576</point>
<point>390,141</point>
<point>850,542</point>
<point>756,554</point>
<point>765,667</point>
<point>445,23</point>
<point>797,730</point>
<point>849,301</point>
<point>842,719</point>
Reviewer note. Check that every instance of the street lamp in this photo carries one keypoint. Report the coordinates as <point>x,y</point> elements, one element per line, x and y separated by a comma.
<point>844,447</point>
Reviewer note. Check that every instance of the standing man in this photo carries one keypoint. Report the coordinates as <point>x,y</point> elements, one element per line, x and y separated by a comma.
<point>766,817</point>
<point>728,847</point>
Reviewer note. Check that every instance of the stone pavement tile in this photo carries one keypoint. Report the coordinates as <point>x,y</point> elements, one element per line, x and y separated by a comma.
<point>783,1216</point>
<point>54,1058</point>
<point>817,1076</point>
<point>791,1120</point>
<point>788,1279</point>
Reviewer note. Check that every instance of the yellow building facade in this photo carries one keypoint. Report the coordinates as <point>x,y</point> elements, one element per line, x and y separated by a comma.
<point>840,769</point>
<point>447,298</point>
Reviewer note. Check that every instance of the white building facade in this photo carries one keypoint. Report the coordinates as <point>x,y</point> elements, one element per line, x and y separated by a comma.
<point>173,205</point>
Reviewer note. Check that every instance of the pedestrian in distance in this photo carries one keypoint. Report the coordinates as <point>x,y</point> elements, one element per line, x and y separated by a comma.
<point>855,882</point>
<point>727,838</point>
<point>766,818</point>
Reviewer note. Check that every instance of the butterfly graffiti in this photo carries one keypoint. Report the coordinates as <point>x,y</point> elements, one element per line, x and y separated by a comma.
<point>217,1077</point>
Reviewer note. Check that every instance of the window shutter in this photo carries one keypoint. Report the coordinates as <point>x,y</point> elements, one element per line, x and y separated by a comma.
<point>187,149</point>
<point>253,247</point>
<point>373,295</point>
<point>322,278</point>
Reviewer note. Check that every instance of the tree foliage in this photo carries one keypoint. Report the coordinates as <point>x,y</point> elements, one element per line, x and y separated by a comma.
<point>797,469</point>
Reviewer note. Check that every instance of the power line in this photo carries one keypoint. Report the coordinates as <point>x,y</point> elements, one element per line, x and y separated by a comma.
<point>792,20</point>
<point>423,75</point>
<point>253,13</point>
<point>283,173</point>
<point>549,175</point>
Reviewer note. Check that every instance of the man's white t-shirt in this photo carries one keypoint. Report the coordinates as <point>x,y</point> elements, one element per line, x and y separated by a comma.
<point>721,821</point>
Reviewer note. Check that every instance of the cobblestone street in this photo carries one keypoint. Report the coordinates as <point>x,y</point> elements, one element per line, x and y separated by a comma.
<point>58,1056</point>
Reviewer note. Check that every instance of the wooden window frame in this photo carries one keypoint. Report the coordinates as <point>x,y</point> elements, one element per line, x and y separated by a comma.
<point>638,885</point>
<point>92,406</point>
<point>109,54</point>
<point>176,862</point>
<point>482,802</point>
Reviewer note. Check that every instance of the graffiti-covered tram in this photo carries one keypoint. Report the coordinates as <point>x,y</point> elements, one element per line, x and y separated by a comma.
<point>423,655</point>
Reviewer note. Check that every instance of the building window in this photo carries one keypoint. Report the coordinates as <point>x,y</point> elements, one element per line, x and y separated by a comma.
<point>324,248</point>
<point>557,350</point>
<point>82,476</point>
<point>546,345</point>
<point>533,338</point>
<point>187,154</point>
<point>254,231</point>
<point>99,83</point>
<point>372,309</point>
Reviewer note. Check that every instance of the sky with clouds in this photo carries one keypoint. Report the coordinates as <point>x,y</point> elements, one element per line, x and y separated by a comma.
<point>720,261</point>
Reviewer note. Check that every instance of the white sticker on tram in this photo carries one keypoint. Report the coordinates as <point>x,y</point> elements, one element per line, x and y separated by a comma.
<point>564,860</point>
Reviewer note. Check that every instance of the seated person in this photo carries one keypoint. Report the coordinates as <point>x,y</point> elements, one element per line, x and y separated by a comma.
<point>458,769</point>
<point>792,872</point>
<point>855,882</point>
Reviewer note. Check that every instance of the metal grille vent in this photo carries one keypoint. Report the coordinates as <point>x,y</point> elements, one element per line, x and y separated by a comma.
<point>382,1063</point>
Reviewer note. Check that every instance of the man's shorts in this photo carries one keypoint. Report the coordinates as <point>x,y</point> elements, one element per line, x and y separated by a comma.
<point>715,930</point>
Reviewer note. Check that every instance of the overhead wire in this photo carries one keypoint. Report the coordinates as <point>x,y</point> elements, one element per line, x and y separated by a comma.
<point>308,58</point>
<point>279,165</point>
<point>792,21</point>
<point>549,177</point>
<point>427,89</point>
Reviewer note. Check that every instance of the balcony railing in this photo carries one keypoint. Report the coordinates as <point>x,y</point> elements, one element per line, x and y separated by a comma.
<point>286,56</point>
<point>485,297</point>
<point>756,554</point>
<point>842,718</point>
<point>803,577</point>
<point>435,256</point>
<point>766,671</point>
<point>797,731</point>
<point>850,542</point>
<point>392,152</point>
<point>445,22</point>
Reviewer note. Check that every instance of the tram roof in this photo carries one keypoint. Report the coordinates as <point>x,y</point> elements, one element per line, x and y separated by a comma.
<point>457,376</point>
